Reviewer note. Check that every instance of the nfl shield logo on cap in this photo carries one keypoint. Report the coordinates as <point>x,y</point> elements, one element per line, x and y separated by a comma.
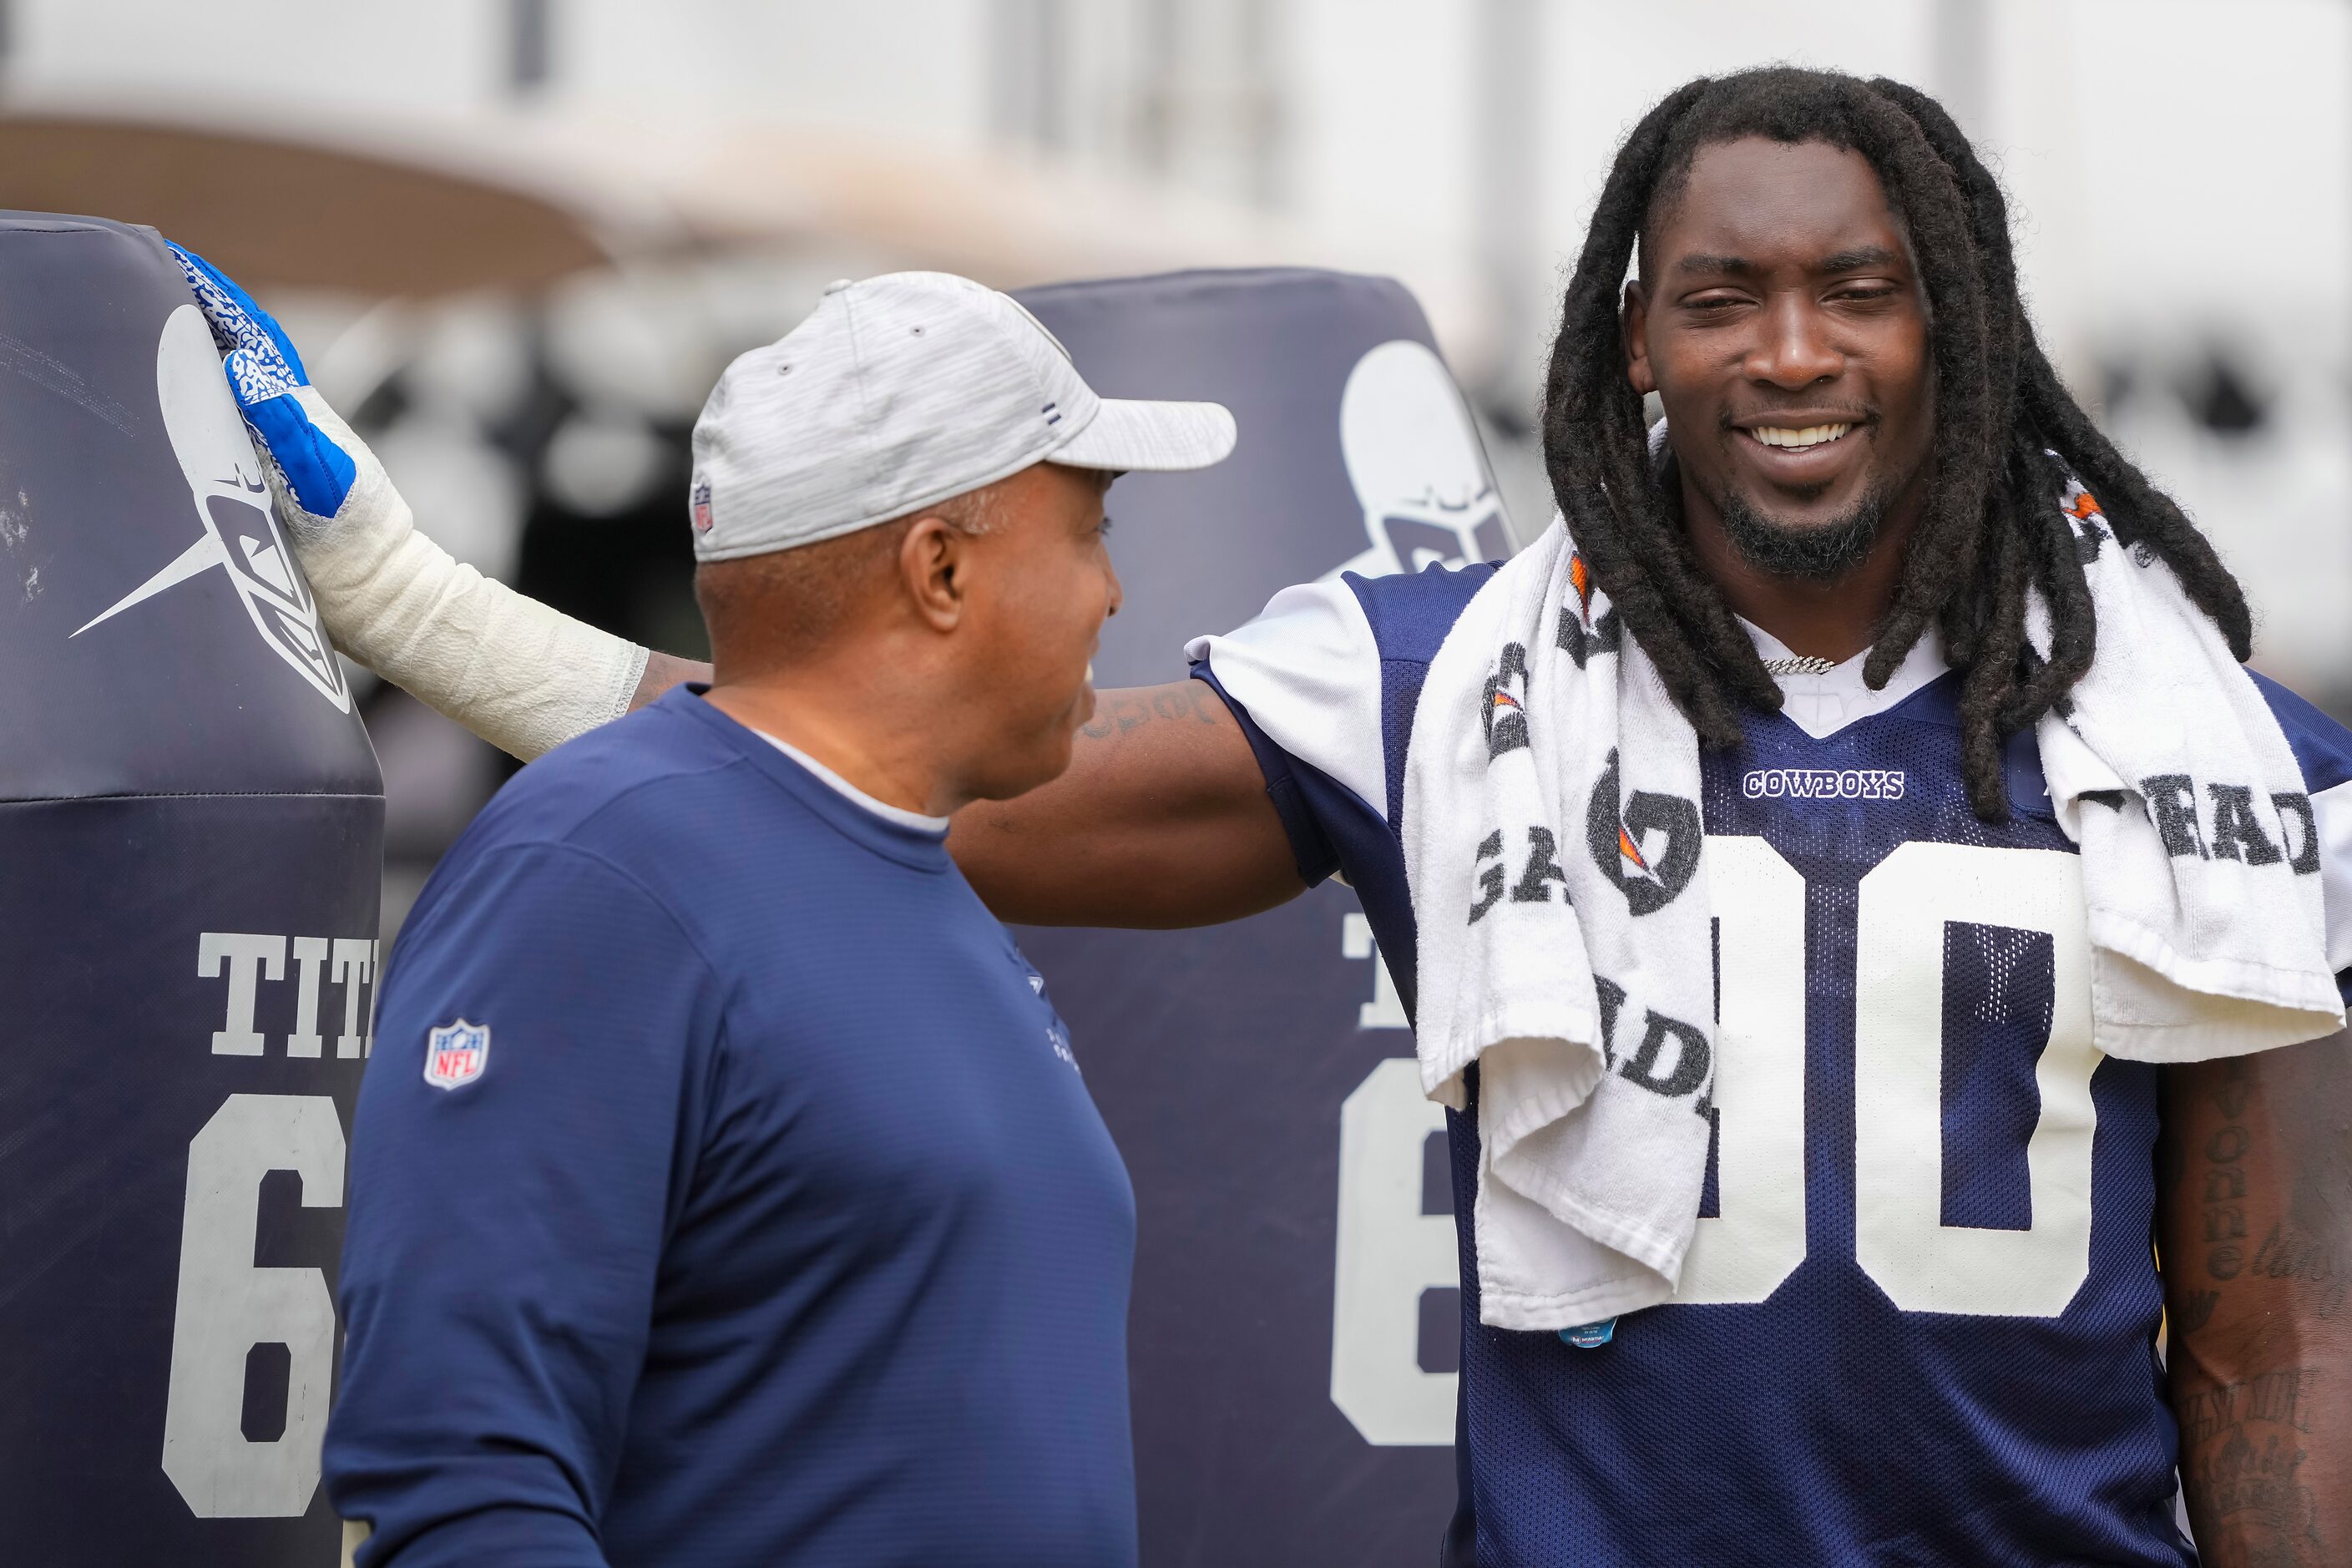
<point>456,1053</point>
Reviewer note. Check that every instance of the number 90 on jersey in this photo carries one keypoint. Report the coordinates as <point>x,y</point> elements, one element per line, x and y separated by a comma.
<point>1905,915</point>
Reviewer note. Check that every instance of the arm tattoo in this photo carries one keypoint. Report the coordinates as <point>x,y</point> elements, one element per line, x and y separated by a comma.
<point>2251,1440</point>
<point>2261,1258</point>
<point>2225,1177</point>
<point>1183,702</point>
<point>2305,1244</point>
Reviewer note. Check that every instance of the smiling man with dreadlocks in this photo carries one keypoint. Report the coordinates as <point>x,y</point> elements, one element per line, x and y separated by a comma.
<point>1948,926</point>
<point>1957,1085</point>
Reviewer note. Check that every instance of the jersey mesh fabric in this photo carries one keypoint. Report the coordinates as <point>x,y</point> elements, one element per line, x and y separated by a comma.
<point>1823,1424</point>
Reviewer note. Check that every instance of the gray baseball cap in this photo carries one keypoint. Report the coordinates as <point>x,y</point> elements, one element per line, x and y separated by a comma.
<point>897,392</point>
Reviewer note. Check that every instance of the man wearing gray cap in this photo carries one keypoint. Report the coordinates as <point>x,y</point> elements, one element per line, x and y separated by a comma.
<point>724,1187</point>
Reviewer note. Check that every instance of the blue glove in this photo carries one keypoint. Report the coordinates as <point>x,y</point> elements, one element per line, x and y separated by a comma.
<point>267,377</point>
<point>520,675</point>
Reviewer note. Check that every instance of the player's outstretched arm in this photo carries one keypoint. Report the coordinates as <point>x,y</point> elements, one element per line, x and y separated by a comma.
<point>2255,1234</point>
<point>1162,820</point>
<point>664,670</point>
<point>521,676</point>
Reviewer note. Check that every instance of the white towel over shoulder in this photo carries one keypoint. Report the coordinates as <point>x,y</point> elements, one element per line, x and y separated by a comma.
<point>1558,869</point>
<point>1553,841</point>
<point>2200,852</point>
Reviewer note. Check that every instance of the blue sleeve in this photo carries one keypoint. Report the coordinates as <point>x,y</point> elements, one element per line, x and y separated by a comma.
<point>506,1233</point>
<point>2322,748</point>
<point>1333,832</point>
<point>2323,751</point>
<point>1310,846</point>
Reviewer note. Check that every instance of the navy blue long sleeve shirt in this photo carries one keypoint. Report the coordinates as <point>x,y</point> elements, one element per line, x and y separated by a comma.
<point>772,1222</point>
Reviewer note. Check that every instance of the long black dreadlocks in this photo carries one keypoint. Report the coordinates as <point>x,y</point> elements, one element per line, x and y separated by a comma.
<point>1991,523</point>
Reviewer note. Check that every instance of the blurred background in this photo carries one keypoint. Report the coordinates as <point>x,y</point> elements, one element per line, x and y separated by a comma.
<point>517,239</point>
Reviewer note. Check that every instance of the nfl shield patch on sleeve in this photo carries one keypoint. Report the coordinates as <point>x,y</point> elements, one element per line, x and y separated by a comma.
<point>456,1054</point>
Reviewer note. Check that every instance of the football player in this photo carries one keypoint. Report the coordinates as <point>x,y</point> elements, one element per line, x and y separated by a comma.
<point>1826,556</point>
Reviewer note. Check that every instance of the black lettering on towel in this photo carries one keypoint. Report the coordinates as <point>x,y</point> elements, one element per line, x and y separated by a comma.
<point>1490,878</point>
<point>2237,835</point>
<point>2172,806</point>
<point>2293,807</point>
<point>1693,1057</point>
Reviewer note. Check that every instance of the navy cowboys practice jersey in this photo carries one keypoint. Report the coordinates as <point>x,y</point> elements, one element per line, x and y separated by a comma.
<point>1918,1323</point>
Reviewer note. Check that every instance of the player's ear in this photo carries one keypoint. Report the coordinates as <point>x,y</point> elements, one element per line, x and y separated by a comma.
<point>1633,323</point>
<point>934,569</point>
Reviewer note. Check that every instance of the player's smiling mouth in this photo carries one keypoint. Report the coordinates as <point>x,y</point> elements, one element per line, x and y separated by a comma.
<point>1799,445</point>
<point>1800,437</point>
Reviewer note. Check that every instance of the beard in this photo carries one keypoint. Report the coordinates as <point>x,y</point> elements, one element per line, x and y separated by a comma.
<point>1819,553</point>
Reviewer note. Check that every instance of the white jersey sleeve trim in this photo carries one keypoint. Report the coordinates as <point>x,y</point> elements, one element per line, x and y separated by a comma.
<point>2332,811</point>
<point>1308,670</point>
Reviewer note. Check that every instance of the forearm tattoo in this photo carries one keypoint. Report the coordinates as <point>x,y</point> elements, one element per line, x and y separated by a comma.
<point>2263,1384</point>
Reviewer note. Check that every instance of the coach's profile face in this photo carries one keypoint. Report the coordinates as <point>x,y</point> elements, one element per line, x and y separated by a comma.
<point>1780,320</point>
<point>1026,597</point>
